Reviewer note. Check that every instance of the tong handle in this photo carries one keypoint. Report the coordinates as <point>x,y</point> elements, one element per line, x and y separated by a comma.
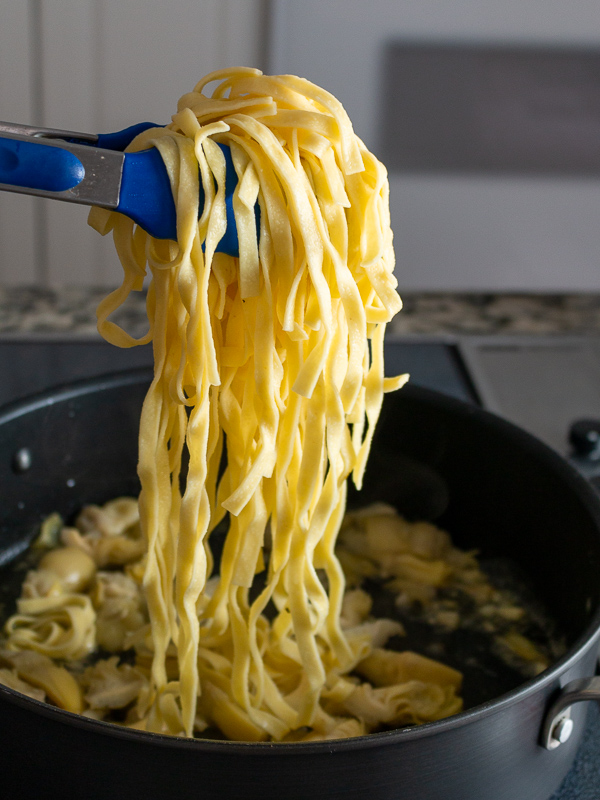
<point>35,165</point>
<point>120,139</point>
<point>136,184</point>
<point>92,169</point>
<point>52,167</point>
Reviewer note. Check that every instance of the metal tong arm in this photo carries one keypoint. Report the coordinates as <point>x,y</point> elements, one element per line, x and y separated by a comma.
<point>91,169</point>
<point>76,167</point>
<point>64,165</point>
<point>39,162</point>
<point>107,141</point>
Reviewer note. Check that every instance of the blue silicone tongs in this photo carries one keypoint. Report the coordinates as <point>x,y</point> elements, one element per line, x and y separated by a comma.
<point>92,169</point>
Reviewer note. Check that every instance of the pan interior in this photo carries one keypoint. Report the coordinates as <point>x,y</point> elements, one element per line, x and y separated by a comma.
<point>493,488</point>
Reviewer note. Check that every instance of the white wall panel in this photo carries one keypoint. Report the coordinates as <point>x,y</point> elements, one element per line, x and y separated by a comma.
<point>455,233</point>
<point>17,246</point>
<point>152,52</point>
<point>104,65</point>
<point>75,254</point>
<point>129,63</point>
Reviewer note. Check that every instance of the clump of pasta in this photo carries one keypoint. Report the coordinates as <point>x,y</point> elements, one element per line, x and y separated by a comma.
<point>268,382</point>
<point>276,357</point>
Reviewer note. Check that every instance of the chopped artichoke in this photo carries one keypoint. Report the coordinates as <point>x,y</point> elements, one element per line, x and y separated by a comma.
<point>74,567</point>
<point>387,667</point>
<point>110,685</point>
<point>50,530</point>
<point>111,519</point>
<point>11,679</point>
<point>39,670</point>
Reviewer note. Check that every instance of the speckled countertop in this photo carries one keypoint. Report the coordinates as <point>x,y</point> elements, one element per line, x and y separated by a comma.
<point>499,314</point>
<point>71,311</point>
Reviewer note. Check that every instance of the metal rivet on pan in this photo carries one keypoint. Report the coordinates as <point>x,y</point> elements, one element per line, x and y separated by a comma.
<point>22,460</point>
<point>562,730</point>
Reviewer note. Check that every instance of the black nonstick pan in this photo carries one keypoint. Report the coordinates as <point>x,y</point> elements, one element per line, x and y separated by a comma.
<point>494,487</point>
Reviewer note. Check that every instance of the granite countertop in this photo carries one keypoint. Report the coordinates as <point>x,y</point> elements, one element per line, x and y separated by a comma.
<point>71,311</point>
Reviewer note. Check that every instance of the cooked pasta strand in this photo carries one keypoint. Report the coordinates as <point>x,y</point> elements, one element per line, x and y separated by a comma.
<point>278,358</point>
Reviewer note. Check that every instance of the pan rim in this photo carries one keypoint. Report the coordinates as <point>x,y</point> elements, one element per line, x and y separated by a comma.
<point>546,681</point>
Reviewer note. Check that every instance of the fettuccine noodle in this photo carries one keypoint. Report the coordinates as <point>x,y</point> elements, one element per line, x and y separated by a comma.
<point>276,359</point>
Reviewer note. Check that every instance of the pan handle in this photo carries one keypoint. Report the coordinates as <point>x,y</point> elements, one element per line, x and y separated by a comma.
<point>558,725</point>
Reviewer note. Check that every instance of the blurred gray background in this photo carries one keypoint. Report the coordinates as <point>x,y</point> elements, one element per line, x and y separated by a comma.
<point>487,113</point>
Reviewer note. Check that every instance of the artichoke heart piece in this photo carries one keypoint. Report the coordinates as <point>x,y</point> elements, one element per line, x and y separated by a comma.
<point>414,568</point>
<point>111,519</point>
<point>410,703</point>
<point>229,717</point>
<point>113,685</point>
<point>522,648</point>
<point>387,668</point>
<point>38,670</point>
<point>72,565</point>
<point>50,530</point>
<point>10,678</point>
<point>345,728</point>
